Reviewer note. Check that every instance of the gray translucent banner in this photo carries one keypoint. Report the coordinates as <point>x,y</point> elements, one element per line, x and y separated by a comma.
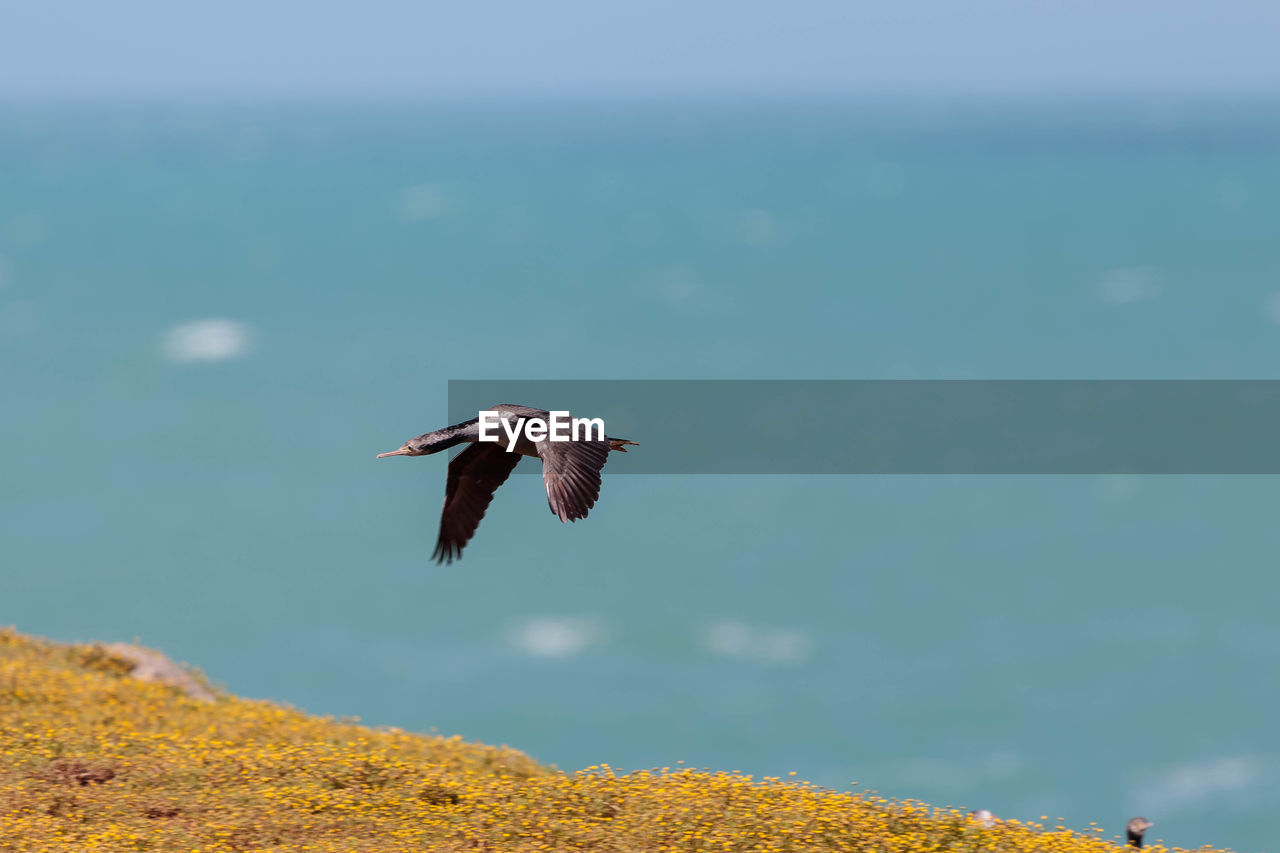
<point>914,427</point>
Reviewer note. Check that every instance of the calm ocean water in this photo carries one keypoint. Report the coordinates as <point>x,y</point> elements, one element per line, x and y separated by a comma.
<point>211,319</point>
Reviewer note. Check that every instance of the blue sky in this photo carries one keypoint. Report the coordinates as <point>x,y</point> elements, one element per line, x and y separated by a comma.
<point>316,48</point>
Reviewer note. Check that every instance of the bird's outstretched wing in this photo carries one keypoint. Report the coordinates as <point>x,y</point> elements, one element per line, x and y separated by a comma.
<point>571,473</point>
<point>474,475</point>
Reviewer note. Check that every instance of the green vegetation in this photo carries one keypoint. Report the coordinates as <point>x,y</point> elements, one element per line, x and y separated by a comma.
<point>92,759</point>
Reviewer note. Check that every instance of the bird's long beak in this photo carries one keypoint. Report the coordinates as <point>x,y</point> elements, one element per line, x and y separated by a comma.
<point>404,451</point>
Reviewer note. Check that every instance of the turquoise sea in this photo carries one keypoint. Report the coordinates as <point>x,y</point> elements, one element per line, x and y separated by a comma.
<point>212,318</point>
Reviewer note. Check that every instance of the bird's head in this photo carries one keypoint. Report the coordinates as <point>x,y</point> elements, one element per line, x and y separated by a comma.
<point>420,446</point>
<point>1139,825</point>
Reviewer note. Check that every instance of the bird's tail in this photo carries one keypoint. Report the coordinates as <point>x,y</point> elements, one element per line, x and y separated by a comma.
<point>616,444</point>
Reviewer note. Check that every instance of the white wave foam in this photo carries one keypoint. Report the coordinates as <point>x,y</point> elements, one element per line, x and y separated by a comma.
<point>731,638</point>
<point>676,284</point>
<point>1126,285</point>
<point>756,228</point>
<point>1271,306</point>
<point>25,229</point>
<point>554,637</point>
<point>213,339</point>
<point>1187,784</point>
<point>933,773</point>
<point>1002,765</point>
<point>1230,195</point>
<point>956,777</point>
<point>422,201</point>
<point>20,318</point>
<point>1118,488</point>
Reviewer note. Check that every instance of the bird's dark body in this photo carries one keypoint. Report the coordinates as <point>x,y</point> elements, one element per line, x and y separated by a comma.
<point>570,472</point>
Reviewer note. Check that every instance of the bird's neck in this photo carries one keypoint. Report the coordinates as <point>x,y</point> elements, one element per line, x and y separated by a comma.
<point>1135,838</point>
<point>447,437</point>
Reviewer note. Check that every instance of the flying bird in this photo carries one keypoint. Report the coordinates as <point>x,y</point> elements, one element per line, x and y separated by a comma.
<point>570,470</point>
<point>1135,828</point>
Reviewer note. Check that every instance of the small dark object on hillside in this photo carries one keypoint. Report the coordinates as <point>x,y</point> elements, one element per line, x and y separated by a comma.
<point>1135,828</point>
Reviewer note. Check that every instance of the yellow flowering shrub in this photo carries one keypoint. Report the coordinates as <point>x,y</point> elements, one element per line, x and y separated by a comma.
<point>93,760</point>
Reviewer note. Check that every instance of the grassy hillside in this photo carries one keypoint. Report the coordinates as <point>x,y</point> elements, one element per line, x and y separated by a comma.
<point>91,759</point>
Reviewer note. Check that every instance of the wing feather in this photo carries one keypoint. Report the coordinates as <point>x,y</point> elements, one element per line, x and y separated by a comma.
<point>474,475</point>
<point>571,475</point>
